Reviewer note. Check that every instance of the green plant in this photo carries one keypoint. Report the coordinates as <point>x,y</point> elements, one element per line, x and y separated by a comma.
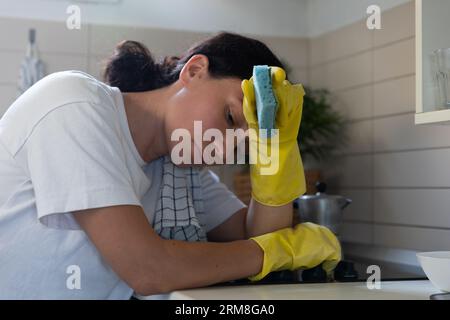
<point>322,128</point>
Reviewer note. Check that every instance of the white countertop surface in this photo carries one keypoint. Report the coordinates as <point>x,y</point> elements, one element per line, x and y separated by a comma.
<point>390,290</point>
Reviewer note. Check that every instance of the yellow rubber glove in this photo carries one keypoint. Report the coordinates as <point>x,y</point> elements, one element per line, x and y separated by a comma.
<point>287,182</point>
<point>303,247</point>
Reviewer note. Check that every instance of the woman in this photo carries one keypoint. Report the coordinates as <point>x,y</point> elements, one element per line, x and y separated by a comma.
<point>91,205</point>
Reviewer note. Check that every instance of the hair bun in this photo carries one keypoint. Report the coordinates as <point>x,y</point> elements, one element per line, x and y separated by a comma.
<point>132,47</point>
<point>131,68</point>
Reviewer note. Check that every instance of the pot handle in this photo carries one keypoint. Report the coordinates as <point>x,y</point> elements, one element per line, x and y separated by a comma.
<point>346,203</point>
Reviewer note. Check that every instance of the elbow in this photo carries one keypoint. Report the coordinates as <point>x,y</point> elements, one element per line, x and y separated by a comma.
<point>154,276</point>
<point>150,285</point>
<point>143,288</point>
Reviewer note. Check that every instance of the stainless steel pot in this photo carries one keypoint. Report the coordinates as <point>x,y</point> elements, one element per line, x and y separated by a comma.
<point>322,208</point>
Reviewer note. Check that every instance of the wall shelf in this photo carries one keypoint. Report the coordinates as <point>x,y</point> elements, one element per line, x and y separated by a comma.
<point>433,117</point>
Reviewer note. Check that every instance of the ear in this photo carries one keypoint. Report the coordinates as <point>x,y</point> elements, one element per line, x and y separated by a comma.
<point>195,68</point>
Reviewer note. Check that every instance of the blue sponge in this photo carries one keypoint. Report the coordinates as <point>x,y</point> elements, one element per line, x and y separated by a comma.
<point>266,102</point>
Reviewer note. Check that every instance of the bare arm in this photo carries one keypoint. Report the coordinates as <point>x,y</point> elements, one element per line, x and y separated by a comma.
<point>151,265</point>
<point>253,221</point>
<point>263,219</point>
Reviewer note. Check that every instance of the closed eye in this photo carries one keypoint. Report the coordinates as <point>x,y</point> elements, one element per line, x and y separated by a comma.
<point>229,117</point>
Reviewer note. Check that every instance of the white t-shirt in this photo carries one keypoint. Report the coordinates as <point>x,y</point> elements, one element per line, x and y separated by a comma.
<point>65,145</point>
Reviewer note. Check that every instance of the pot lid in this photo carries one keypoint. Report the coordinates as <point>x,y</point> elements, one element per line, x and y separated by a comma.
<point>322,196</point>
<point>321,188</point>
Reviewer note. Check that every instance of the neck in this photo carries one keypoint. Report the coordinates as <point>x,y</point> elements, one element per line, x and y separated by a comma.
<point>146,119</point>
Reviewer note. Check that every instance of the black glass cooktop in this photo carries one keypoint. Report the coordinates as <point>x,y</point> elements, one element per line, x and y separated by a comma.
<point>346,271</point>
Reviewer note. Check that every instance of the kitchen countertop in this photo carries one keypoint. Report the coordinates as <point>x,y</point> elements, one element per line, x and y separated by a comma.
<point>390,290</point>
<point>402,279</point>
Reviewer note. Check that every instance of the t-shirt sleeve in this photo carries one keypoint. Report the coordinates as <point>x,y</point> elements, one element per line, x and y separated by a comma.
<point>219,202</point>
<point>76,161</point>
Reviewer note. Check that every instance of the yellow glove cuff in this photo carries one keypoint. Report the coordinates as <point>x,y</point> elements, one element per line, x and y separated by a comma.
<point>270,243</point>
<point>303,247</point>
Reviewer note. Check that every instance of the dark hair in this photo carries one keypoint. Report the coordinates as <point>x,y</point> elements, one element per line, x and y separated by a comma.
<point>133,69</point>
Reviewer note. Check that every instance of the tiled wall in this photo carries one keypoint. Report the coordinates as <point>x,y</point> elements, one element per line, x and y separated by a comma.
<point>396,173</point>
<point>63,49</point>
<point>86,50</point>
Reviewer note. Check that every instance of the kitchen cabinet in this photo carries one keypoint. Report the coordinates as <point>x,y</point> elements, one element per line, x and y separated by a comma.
<point>390,290</point>
<point>432,33</point>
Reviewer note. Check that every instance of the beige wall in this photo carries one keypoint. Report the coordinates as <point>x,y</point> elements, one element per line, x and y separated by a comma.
<point>63,49</point>
<point>396,173</point>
